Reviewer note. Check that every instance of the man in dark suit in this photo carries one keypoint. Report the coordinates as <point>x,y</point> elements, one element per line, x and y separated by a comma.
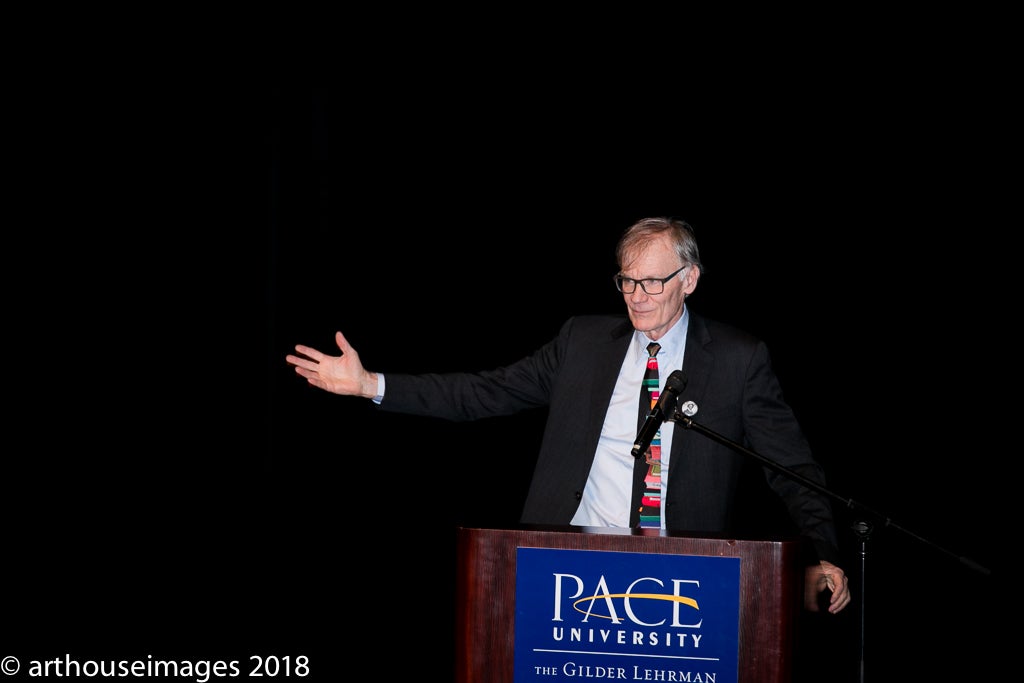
<point>590,377</point>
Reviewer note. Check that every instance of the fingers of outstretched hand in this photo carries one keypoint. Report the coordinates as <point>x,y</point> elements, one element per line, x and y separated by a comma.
<point>307,357</point>
<point>300,363</point>
<point>308,352</point>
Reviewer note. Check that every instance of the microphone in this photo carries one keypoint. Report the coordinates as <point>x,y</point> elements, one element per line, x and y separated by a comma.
<point>674,386</point>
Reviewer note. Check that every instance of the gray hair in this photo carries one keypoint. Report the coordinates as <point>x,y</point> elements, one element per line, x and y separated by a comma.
<point>639,235</point>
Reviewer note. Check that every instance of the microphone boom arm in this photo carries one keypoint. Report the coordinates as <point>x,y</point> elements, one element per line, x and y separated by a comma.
<point>688,423</point>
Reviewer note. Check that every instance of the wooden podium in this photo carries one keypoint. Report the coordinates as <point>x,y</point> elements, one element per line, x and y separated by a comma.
<point>770,585</point>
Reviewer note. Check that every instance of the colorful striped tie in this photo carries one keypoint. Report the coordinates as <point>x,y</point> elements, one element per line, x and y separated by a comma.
<point>650,510</point>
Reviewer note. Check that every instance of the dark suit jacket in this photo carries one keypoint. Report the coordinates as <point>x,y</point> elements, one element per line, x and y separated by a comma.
<point>729,378</point>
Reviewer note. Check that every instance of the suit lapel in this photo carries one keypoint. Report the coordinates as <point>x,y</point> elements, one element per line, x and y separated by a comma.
<point>610,353</point>
<point>697,361</point>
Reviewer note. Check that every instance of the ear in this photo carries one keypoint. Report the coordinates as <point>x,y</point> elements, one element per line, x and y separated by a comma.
<point>690,278</point>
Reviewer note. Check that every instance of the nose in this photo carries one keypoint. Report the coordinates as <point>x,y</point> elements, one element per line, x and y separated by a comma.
<point>638,294</point>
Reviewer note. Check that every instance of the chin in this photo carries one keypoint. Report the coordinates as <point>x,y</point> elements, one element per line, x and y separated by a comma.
<point>642,322</point>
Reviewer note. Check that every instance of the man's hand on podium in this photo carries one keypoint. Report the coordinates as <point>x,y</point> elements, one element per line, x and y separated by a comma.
<point>823,577</point>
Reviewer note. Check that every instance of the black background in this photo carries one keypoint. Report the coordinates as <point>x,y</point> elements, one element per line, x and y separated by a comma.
<point>178,491</point>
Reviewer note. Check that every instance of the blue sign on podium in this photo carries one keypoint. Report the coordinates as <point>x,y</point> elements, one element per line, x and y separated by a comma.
<point>622,616</point>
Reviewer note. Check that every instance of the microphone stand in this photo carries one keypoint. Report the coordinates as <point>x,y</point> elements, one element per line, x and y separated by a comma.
<point>863,529</point>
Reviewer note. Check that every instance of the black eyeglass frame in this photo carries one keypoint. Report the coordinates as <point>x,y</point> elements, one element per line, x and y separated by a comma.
<point>620,279</point>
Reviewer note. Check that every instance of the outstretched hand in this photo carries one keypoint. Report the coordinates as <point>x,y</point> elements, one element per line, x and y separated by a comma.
<point>342,374</point>
<point>826,576</point>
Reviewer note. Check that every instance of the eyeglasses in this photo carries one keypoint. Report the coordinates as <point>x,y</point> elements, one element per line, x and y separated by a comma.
<point>651,285</point>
